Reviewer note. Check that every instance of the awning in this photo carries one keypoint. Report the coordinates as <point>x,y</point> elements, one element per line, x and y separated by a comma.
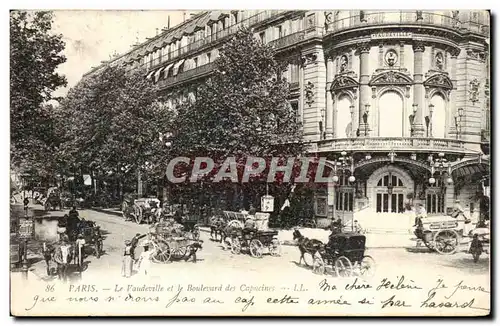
<point>177,65</point>
<point>167,68</point>
<point>157,73</point>
<point>150,74</point>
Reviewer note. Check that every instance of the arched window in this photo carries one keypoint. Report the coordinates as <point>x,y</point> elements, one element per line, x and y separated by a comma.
<point>344,194</point>
<point>343,119</point>
<point>390,115</point>
<point>390,194</point>
<point>438,116</point>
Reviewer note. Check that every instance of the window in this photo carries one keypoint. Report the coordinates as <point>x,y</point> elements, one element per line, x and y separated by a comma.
<point>321,206</point>
<point>294,105</point>
<point>435,199</point>
<point>294,73</point>
<point>262,36</point>
<point>195,62</point>
<point>209,57</point>
<point>390,194</point>
<point>279,31</point>
<point>235,17</point>
<point>344,194</point>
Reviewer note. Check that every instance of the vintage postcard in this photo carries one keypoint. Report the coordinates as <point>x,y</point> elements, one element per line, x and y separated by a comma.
<point>250,163</point>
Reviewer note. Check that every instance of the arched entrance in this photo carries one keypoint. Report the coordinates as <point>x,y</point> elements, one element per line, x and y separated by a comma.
<point>387,188</point>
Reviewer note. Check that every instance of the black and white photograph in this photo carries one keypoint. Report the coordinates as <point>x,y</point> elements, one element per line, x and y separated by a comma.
<point>250,162</point>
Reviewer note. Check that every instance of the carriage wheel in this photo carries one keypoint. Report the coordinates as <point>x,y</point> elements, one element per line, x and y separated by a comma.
<point>343,267</point>
<point>367,266</point>
<point>179,252</point>
<point>446,242</point>
<point>319,266</point>
<point>125,210</point>
<point>162,252</point>
<point>138,215</point>
<point>256,248</point>
<point>275,248</point>
<point>235,246</point>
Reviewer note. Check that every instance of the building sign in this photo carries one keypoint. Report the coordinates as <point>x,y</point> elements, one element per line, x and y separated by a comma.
<point>377,36</point>
<point>26,229</point>
<point>14,254</point>
<point>267,203</point>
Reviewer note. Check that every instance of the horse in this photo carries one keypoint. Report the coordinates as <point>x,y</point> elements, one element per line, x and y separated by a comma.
<point>306,245</point>
<point>229,231</point>
<point>63,256</point>
<point>217,224</point>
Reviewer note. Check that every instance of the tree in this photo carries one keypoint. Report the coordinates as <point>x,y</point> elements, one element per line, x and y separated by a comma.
<point>242,110</point>
<point>35,54</point>
<point>111,122</point>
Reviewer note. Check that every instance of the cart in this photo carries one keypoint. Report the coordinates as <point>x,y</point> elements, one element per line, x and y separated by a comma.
<point>442,234</point>
<point>255,242</point>
<point>170,242</point>
<point>345,253</point>
<point>93,238</point>
<point>141,210</point>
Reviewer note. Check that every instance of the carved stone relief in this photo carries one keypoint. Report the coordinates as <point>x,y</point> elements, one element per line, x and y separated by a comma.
<point>391,57</point>
<point>309,93</point>
<point>474,90</point>
<point>309,58</point>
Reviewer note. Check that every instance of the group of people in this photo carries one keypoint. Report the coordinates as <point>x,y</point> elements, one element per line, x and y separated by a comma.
<point>129,258</point>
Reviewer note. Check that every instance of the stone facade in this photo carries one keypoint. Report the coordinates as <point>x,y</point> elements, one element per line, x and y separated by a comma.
<point>388,88</point>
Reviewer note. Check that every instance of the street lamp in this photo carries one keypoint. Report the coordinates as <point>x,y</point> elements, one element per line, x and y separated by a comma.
<point>443,167</point>
<point>345,163</point>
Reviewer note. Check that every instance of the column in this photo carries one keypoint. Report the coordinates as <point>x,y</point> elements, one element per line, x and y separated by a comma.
<point>452,130</point>
<point>418,88</point>
<point>329,119</point>
<point>364,89</point>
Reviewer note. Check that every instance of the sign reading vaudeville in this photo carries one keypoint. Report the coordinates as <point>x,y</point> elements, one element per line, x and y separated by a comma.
<point>386,35</point>
<point>26,229</point>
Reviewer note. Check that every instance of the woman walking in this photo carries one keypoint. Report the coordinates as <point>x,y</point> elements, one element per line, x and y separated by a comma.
<point>127,262</point>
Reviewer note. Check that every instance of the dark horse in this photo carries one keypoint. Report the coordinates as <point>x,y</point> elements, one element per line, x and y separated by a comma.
<point>306,245</point>
<point>217,225</point>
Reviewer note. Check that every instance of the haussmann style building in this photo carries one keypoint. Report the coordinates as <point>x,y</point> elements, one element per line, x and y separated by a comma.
<point>397,101</point>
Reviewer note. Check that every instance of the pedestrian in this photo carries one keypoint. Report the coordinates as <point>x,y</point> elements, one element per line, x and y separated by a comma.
<point>144,260</point>
<point>134,242</point>
<point>80,243</point>
<point>127,262</point>
<point>252,210</point>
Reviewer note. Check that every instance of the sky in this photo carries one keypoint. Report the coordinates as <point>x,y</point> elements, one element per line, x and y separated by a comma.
<point>92,36</point>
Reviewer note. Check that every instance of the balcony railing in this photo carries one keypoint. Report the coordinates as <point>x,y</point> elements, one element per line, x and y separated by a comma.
<point>405,17</point>
<point>392,143</point>
<point>288,40</point>
<point>185,75</point>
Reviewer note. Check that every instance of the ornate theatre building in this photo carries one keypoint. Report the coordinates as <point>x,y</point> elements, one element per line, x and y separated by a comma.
<point>397,101</point>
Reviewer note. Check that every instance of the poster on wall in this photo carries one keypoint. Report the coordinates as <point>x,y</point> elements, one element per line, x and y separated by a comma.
<point>267,203</point>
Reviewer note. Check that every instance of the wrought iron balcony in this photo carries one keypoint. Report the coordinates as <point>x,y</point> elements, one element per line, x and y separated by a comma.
<point>288,40</point>
<point>186,75</point>
<point>381,144</point>
<point>405,17</point>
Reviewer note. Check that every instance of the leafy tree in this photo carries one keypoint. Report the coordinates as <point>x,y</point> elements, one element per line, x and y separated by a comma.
<point>110,125</point>
<point>242,110</point>
<point>35,54</point>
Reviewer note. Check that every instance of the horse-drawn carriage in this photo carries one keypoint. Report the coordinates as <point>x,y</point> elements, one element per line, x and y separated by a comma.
<point>170,240</point>
<point>255,242</point>
<point>345,252</point>
<point>141,210</point>
<point>442,234</point>
<point>92,237</point>
<point>52,200</point>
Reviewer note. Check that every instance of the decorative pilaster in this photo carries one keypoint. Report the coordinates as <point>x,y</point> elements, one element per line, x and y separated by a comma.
<point>329,117</point>
<point>364,89</point>
<point>454,52</point>
<point>418,88</point>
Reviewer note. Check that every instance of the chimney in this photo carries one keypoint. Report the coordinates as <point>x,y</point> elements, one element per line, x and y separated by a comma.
<point>157,32</point>
<point>184,16</point>
<point>168,24</point>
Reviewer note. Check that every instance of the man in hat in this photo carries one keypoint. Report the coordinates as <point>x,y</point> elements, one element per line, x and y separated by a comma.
<point>127,262</point>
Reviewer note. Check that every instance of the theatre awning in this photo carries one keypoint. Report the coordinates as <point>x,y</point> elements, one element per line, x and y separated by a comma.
<point>177,65</point>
